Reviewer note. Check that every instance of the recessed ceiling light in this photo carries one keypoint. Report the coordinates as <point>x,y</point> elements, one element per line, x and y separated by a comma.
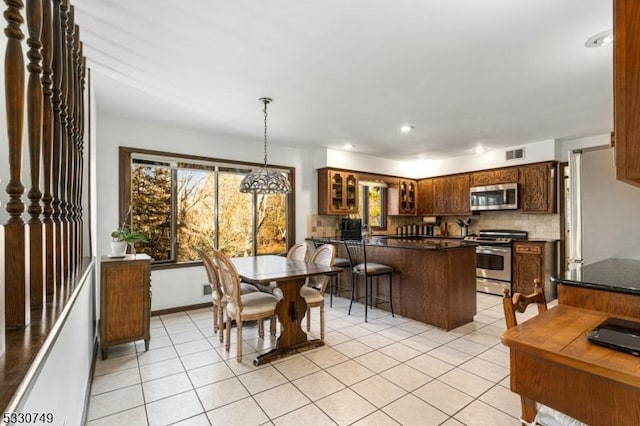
<point>601,39</point>
<point>349,145</point>
<point>406,128</point>
<point>479,149</point>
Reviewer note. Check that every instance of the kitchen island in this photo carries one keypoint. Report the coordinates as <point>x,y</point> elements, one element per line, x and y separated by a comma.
<point>434,280</point>
<point>610,285</point>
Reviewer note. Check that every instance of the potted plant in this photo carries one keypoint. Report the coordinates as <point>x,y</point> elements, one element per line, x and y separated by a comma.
<point>123,236</point>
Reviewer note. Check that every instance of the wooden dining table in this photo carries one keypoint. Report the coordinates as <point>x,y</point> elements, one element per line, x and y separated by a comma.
<point>289,275</point>
<point>553,363</point>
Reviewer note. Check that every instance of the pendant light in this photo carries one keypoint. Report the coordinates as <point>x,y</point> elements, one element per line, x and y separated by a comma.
<point>265,180</point>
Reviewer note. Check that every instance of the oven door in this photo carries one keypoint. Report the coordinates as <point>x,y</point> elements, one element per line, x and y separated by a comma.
<point>494,262</point>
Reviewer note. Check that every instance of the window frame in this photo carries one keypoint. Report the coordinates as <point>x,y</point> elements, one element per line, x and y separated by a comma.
<point>124,191</point>
<point>384,210</point>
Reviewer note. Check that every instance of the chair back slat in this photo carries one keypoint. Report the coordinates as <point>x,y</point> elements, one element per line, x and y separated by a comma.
<point>519,303</point>
<point>357,252</point>
<point>324,255</point>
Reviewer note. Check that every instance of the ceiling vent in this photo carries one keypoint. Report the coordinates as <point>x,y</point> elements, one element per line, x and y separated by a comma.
<point>515,154</point>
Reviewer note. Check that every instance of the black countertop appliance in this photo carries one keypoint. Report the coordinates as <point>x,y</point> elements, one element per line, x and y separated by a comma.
<point>350,229</point>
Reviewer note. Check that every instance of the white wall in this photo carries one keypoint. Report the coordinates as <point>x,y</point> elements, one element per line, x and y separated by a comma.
<point>183,286</point>
<point>563,147</point>
<point>610,210</point>
<point>534,152</point>
<point>62,383</point>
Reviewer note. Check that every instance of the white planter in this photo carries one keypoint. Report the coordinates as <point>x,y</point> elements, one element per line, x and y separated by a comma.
<point>118,248</point>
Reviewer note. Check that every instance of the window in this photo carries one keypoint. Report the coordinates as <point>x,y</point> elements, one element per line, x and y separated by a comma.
<point>183,202</point>
<point>373,204</point>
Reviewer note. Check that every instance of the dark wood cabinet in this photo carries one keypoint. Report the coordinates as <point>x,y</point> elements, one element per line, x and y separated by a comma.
<point>425,197</point>
<point>337,192</point>
<point>451,195</point>
<point>403,198</point>
<point>626,90</point>
<point>125,300</point>
<point>441,192</point>
<point>533,260</point>
<point>538,188</point>
<point>460,194</point>
<point>494,176</point>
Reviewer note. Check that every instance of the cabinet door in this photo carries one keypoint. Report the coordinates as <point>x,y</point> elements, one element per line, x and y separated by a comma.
<point>626,90</point>
<point>441,195</point>
<point>337,192</point>
<point>528,265</point>
<point>425,197</point>
<point>460,194</point>
<point>408,197</point>
<point>495,177</point>
<point>538,188</point>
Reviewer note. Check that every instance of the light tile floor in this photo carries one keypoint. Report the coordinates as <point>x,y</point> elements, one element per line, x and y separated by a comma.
<point>388,371</point>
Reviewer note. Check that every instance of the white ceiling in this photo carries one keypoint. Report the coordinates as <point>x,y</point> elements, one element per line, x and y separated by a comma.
<point>462,72</point>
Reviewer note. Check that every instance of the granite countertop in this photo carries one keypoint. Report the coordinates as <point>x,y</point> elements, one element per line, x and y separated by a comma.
<point>413,243</point>
<point>617,275</point>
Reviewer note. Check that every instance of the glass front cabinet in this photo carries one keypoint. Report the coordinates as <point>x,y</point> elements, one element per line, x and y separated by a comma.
<point>337,192</point>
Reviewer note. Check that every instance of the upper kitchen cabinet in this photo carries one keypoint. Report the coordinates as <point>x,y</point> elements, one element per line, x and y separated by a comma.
<point>451,195</point>
<point>538,194</point>
<point>494,176</point>
<point>337,192</point>
<point>626,90</point>
<point>403,198</point>
<point>425,197</point>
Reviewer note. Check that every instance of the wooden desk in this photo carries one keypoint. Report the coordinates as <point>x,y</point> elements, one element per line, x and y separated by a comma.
<point>290,276</point>
<point>553,363</point>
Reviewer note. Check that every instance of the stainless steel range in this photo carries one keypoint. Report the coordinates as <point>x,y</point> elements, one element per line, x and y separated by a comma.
<point>493,254</point>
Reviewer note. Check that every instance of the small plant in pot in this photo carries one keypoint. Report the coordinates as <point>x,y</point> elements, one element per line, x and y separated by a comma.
<point>122,237</point>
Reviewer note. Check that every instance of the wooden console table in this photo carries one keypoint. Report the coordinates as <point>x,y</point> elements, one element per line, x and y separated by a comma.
<point>553,363</point>
<point>125,300</point>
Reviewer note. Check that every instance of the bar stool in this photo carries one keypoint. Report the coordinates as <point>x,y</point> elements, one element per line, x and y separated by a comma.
<point>338,262</point>
<point>358,256</point>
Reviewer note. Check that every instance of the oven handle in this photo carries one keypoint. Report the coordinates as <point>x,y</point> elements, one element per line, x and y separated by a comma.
<point>492,250</point>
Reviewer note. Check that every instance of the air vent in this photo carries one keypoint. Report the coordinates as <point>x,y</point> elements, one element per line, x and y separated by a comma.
<point>515,154</point>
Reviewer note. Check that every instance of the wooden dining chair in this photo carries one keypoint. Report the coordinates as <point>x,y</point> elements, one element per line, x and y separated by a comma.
<point>314,288</point>
<point>357,250</point>
<point>217,292</point>
<point>243,307</point>
<point>518,303</point>
<point>297,251</point>
<point>339,262</point>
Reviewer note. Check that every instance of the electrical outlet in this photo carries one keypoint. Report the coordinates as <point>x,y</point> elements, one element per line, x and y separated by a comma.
<point>206,289</point>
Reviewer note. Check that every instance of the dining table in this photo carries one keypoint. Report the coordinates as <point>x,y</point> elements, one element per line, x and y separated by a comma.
<point>289,275</point>
<point>553,363</point>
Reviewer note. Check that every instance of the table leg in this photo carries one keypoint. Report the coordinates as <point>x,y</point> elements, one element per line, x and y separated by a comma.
<point>291,310</point>
<point>528,409</point>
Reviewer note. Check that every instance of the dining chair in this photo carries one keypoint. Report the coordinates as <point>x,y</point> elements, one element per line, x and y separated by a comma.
<point>243,307</point>
<point>217,295</point>
<point>339,262</point>
<point>298,251</point>
<point>518,303</point>
<point>314,288</point>
<point>357,250</point>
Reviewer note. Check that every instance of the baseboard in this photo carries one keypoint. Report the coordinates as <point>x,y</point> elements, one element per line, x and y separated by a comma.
<point>181,309</point>
<point>87,397</point>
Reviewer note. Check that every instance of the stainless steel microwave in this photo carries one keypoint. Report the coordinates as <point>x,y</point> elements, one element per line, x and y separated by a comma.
<point>495,197</point>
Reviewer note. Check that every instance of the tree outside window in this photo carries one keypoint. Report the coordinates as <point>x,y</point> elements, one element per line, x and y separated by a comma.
<point>181,206</point>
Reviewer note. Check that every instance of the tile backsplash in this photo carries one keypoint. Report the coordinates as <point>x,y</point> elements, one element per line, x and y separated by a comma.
<point>539,226</point>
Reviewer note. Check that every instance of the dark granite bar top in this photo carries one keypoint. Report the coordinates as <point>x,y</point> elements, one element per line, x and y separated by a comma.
<point>413,243</point>
<point>617,275</point>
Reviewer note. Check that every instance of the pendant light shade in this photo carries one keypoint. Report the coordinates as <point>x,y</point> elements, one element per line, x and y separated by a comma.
<point>265,180</point>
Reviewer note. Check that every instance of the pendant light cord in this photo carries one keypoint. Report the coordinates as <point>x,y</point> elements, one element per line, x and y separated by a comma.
<point>266,102</point>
